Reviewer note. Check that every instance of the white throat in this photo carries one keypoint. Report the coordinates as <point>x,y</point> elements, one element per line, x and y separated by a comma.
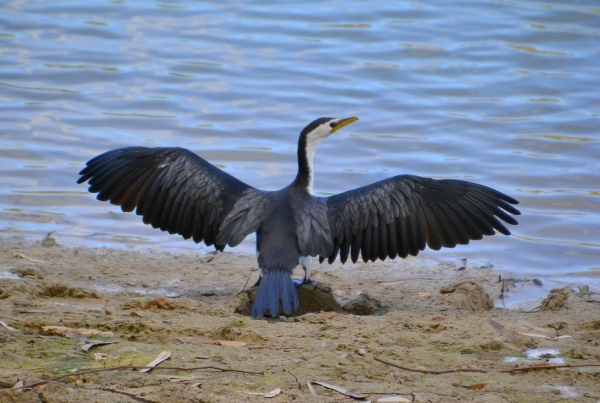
<point>311,147</point>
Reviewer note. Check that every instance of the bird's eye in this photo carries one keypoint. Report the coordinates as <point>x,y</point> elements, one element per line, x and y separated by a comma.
<point>332,124</point>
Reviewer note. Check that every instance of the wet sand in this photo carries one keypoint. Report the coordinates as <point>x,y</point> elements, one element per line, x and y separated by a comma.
<point>423,317</point>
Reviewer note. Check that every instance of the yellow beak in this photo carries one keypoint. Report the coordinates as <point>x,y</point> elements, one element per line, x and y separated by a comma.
<point>343,123</point>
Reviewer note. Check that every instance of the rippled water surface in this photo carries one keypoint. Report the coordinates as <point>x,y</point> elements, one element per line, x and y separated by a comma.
<point>505,93</point>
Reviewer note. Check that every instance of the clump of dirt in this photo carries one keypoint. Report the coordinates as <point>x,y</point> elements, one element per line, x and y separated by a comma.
<point>233,332</point>
<point>492,346</point>
<point>145,303</point>
<point>557,299</point>
<point>27,271</point>
<point>63,290</point>
<point>594,325</point>
<point>467,295</point>
<point>318,297</point>
<point>127,307</point>
<point>314,297</point>
<point>364,304</point>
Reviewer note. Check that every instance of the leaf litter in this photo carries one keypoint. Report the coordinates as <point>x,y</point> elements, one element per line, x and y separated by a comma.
<point>165,355</point>
<point>7,326</point>
<point>340,390</point>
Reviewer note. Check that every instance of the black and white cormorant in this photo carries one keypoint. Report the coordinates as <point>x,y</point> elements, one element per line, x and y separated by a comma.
<point>179,192</point>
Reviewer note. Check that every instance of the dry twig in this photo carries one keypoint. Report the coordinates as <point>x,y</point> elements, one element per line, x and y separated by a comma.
<point>241,291</point>
<point>312,390</point>
<point>7,326</point>
<point>22,256</point>
<point>134,367</point>
<point>485,371</point>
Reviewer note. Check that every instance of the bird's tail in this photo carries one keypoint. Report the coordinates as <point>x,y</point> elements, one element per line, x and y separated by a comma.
<point>275,286</point>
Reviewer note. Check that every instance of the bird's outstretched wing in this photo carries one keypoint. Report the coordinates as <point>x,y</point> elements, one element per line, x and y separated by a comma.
<point>174,189</point>
<point>400,215</point>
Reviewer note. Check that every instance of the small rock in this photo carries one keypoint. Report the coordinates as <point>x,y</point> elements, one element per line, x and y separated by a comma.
<point>136,314</point>
<point>361,351</point>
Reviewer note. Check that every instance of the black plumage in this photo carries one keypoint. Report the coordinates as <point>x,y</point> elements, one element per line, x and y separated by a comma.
<point>177,191</point>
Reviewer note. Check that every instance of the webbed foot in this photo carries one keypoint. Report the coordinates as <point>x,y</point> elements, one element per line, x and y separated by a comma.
<point>299,281</point>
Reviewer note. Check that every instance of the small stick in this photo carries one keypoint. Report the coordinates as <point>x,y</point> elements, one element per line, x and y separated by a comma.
<point>312,390</point>
<point>429,371</point>
<point>241,291</point>
<point>129,367</point>
<point>29,325</point>
<point>22,256</point>
<point>7,326</point>
<point>511,370</point>
<point>542,367</point>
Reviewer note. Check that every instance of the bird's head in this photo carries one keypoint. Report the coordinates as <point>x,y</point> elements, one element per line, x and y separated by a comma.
<point>321,128</point>
<point>310,137</point>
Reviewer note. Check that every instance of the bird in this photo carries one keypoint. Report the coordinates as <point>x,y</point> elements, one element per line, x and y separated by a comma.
<point>176,190</point>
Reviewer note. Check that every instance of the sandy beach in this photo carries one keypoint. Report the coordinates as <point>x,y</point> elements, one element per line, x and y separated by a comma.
<point>389,328</point>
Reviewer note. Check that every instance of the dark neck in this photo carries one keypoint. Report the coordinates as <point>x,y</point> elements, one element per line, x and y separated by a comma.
<point>303,179</point>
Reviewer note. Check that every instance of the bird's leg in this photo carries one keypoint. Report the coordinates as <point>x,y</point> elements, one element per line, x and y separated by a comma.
<point>306,262</point>
<point>260,271</point>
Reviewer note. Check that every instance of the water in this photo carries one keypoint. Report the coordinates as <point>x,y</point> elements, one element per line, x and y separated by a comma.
<point>504,93</point>
<point>549,355</point>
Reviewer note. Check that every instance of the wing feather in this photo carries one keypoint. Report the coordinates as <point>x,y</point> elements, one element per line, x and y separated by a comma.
<point>399,216</point>
<point>460,233</point>
<point>129,195</point>
<point>392,242</point>
<point>433,228</point>
<point>382,251</point>
<point>357,241</point>
<point>173,189</point>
